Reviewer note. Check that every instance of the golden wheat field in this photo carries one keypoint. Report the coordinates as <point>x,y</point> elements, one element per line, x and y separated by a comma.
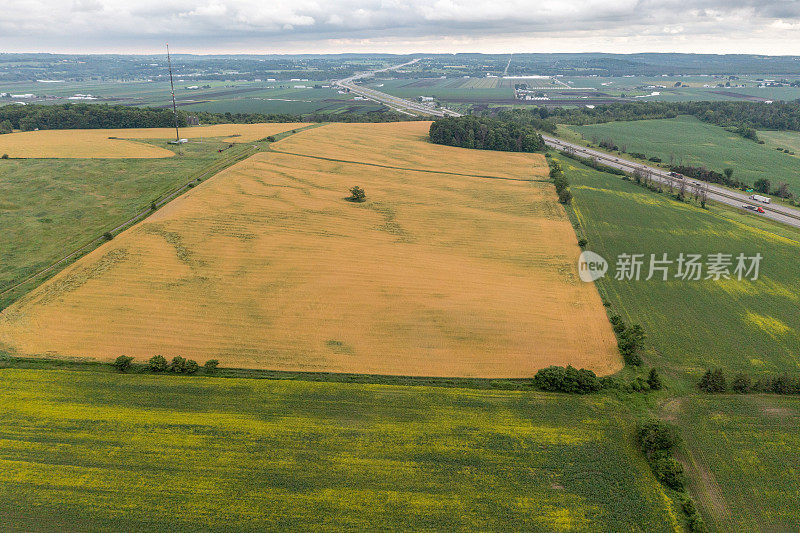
<point>405,145</point>
<point>99,144</point>
<point>266,265</point>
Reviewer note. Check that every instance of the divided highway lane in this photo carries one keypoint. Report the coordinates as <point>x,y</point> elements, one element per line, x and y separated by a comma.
<point>400,104</point>
<point>780,213</point>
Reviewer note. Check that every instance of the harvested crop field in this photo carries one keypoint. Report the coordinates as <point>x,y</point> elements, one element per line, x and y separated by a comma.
<point>268,266</point>
<point>119,143</point>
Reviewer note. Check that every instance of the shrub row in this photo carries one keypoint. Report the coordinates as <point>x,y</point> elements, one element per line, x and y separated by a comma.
<point>569,379</point>
<point>158,363</point>
<point>630,340</point>
<point>582,381</point>
<point>560,181</point>
<point>593,163</point>
<point>658,441</point>
<point>715,381</point>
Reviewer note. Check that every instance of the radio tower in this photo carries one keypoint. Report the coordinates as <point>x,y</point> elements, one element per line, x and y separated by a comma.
<point>174,107</point>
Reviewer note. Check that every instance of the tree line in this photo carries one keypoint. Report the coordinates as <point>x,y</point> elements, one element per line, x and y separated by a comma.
<point>102,116</point>
<point>485,133</point>
<point>158,363</point>
<point>715,381</point>
<point>658,441</point>
<point>742,117</point>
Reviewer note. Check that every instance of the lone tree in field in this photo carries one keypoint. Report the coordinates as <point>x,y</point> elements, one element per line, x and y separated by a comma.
<point>357,194</point>
<point>654,380</point>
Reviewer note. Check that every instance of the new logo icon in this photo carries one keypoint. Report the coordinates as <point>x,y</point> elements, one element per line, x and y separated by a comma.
<point>591,266</point>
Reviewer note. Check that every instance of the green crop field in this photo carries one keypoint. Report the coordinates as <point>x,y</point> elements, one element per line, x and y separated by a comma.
<point>688,140</point>
<point>743,460</point>
<point>49,207</point>
<point>215,96</point>
<point>744,325</point>
<point>789,140</point>
<point>94,451</point>
<point>459,89</point>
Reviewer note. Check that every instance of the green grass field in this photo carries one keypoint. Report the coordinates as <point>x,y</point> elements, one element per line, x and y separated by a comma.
<point>93,451</point>
<point>745,325</point>
<point>214,96</point>
<point>696,143</point>
<point>789,140</point>
<point>476,89</point>
<point>743,461</point>
<point>49,207</point>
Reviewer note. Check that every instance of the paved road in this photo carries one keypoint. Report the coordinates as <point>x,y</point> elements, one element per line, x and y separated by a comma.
<point>399,104</point>
<point>781,213</point>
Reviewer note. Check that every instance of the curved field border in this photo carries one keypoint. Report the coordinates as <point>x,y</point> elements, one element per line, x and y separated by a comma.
<point>213,169</point>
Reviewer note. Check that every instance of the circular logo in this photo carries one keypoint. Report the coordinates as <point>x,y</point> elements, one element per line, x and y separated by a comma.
<point>591,266</point>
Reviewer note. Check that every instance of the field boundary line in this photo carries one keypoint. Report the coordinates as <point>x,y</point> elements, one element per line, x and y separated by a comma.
<point>408,169</point>
<point>211,170</point>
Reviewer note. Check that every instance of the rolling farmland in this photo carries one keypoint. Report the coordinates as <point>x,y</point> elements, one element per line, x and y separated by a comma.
<point>750,326</point>
<point>89,451</point>
<point>50,207</point>
<point>444,271</point>
<point>696,143</point>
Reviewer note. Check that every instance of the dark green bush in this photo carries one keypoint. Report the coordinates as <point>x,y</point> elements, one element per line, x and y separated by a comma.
<point>569,379</point>
<point>668,471</point>
<point>157,363</point>
<point>178,364</point>
<point>656,436</point>
<point>191,366</point>
<point>713,381</point>
<point>123,363</point>
<point>741,384</point>
<point>654,380</point>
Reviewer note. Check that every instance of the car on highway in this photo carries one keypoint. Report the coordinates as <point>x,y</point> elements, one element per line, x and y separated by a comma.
<point>753,208</point>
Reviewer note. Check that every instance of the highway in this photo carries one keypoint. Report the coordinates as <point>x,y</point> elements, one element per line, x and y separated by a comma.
<point>779,213</point>
<point>399,104</point>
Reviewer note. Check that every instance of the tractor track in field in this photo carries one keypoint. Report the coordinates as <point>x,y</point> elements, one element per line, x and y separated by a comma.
<point>390,167</point>
<point>213,169</point>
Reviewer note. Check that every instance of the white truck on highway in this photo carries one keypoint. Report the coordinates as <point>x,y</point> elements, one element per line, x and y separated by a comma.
<point>759,198</point>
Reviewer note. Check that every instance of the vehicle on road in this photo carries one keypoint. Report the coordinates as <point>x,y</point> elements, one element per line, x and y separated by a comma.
<point>759,198</point>
<point>755,208</point>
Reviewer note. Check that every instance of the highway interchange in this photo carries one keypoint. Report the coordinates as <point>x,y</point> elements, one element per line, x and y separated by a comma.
<point>780,213</point>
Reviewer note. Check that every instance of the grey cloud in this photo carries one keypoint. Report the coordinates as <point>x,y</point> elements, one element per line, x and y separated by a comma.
<point>242,21</point>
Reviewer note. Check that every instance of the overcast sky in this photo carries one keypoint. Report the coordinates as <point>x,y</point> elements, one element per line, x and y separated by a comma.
<point>401,26</point>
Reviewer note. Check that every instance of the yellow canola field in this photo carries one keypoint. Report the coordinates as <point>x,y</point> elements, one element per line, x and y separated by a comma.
<point>97,144</point>
<point>267,266</point>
